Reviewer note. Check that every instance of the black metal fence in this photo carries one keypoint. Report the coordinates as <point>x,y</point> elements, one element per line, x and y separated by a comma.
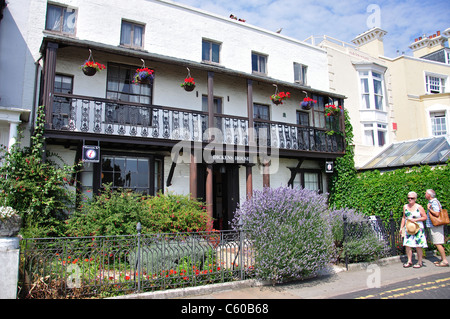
<point>80,267</point>
<point>374,238</point>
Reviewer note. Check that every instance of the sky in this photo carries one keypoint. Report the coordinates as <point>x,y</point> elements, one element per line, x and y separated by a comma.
<point>341,19</point>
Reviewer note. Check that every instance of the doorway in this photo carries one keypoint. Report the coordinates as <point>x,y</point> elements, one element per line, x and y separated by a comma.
<point>225,192</point>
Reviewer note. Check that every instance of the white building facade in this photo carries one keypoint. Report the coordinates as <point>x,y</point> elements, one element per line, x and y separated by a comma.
<point>156,136</point>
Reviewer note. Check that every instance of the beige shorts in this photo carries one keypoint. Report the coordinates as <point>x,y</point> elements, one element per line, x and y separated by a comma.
<point>437,234</point>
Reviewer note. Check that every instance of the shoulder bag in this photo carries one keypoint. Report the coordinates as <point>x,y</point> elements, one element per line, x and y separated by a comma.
<point>442,219</point>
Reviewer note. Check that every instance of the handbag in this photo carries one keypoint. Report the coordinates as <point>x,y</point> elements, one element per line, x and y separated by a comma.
<point>442,219</point>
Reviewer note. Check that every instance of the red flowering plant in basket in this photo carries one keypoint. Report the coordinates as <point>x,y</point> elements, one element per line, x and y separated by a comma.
<point>332,110</point>
<point>279,97</point>
<point>307,103</point>
<point>188,84</point>
<point>95,65</point>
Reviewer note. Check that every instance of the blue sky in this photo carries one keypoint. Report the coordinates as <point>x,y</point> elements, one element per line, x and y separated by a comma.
<point>344,20</point>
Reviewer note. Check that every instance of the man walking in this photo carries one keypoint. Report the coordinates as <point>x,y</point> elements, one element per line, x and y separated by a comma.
<point>436,232</point>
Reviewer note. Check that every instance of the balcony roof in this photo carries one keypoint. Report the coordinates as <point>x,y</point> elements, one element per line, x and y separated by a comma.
<point>427,151</point>
<point>142,54</point>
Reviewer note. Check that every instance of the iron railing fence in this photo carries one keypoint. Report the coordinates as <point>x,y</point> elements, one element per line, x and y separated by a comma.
<point>102,266</point>
<point>372,232</point>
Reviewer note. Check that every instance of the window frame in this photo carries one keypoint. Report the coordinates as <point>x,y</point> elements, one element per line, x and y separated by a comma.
<point>64,9</point>
<point>438,115</point>
<point>133,24</point>
<point>300,72</point>
<point>258,57</point>
<point>299,176</point>
<point>370,95</point>
<point>210,43</point>
<point>375,129</point>
<point>442,83</point>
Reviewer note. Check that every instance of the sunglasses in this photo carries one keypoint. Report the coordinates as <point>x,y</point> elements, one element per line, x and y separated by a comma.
<point>411,198</point>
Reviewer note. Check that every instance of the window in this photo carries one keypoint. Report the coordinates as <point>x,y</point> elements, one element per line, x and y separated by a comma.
<point>300,73</point>
<point>261,112</point>
<point>303,118</point>
<point>61,105</point>
<point>434,84</point>
<point>217,104</point>
<point>131,172</point>
<point>259,63</point>
<point>60,19</point>
<point>438,123</point>
<point>375,134</point>
<point>319,110</point>
<point>309,179</point>
<point>120,85</point>
<point>372,92</point>
<point>132,35</point>
<point>210,51</point>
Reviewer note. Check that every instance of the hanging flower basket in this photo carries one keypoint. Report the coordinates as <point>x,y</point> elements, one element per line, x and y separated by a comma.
<point>332,110</point>
<point>90,67</point>
<point>143,75</point>
<point>307,103</point>
<point>189,83</point>
<point>279,97</point>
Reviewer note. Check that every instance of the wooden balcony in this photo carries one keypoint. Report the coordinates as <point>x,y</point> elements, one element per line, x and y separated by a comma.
<point>88,115</point>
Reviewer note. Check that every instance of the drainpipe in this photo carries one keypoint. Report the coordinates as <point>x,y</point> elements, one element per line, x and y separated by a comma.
<point>33,107</point>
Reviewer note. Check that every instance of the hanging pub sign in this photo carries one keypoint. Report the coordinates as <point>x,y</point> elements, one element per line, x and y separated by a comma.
<point>91,154</point>
<point>329,166</point>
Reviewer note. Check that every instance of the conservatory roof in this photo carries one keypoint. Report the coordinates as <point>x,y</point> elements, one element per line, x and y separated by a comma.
<point>428,151</point>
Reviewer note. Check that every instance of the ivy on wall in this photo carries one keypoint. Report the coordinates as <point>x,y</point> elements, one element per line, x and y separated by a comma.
<point>376,193</point>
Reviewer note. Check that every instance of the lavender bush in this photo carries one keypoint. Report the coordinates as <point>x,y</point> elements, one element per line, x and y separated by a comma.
<point>290,230</point>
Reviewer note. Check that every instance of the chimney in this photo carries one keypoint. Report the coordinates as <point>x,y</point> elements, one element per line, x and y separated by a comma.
<point>425,45</point>
<point>371,41</point>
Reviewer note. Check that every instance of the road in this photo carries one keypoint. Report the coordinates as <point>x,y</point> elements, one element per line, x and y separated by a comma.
<point>430,287</point>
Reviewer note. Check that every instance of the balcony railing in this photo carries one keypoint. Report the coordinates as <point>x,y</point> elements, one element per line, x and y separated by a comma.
<point>102,116</point>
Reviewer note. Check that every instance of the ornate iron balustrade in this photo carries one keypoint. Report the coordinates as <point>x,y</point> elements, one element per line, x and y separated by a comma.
<point>102,116</point>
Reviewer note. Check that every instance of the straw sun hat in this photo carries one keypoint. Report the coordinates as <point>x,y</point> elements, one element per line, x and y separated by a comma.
<point>412,227</point>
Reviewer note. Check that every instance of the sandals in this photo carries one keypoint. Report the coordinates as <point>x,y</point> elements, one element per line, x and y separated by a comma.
<point>442,264</point>
<point>407,265</point>
<point>418,265</point>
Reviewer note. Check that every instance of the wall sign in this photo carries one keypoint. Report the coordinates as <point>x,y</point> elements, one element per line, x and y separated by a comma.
<point>329,166</point>
<point>91,154</point>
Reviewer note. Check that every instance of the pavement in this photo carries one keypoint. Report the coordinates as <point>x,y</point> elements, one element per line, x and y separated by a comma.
<point>335,283</point>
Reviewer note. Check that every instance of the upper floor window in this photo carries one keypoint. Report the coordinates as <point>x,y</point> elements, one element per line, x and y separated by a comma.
<point>434,84</point>
<point>210,51</point>
<point>261,112</point>
<point>132,35</point>
<point>438,123</point>
<point>372,92</point>
<point>217,104</point>
<point>300,73</point>
<point>60,19</point>
<point>303,118</point>
<point>259,63</point>
<point>375,134</point>
<point>120,85</point>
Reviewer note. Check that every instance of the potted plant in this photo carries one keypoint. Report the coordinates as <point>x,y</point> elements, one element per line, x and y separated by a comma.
<point>332,110</point>
<point>307,103</point>
<point>9,222</point>
<point>143,76</point>
<point>188,84</point>
<point>279,97</point>
<point>90,67</point>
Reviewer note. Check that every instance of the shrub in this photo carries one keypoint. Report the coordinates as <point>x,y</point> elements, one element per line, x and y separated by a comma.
<point>35,187</point>
<point>291,235</point>
<point>118,212</point>
<point>362,242</point>
<point>106,214</point>
<point>171,213</point>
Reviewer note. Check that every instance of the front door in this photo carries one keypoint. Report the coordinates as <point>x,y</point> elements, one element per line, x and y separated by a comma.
<point>225,192</point>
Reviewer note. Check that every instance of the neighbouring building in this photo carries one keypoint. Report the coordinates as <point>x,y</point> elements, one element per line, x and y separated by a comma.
<point>392,101</point>
<point>156,136</point>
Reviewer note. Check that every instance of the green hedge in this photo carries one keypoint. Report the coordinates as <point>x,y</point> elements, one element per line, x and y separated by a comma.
<point>376,193</point>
